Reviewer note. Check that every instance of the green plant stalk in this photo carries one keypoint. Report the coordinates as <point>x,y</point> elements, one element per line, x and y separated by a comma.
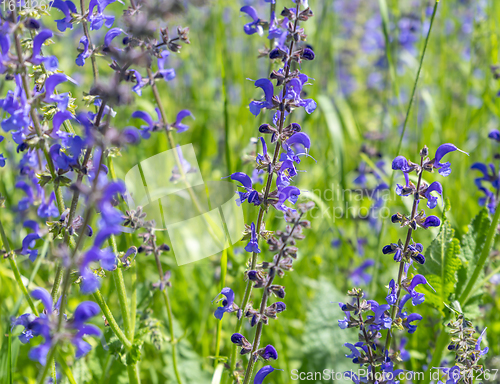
<point>119,282</point>
<point>482,259</point>
<point>111,320</point>
<point>223,265</point>
<point>15,269</point>
<point>376,267</point>
<point>65,369</point>
<point>133,373</point>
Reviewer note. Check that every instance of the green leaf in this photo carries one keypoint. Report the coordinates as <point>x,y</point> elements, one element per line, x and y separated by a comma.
<point>441,265</point>
<point>472,246</point>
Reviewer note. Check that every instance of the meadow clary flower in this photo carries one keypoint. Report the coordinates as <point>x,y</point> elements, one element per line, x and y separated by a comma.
<point>262,373</point>
<point>96,17</point>
<point>246,182</point>
<point>46,323</point>
<point>151,125</point>
<point>444,169</point>
<point>494,135</point>
<point>66,7</point>
<point>227,303</point>
<point>178,125</point>
<point>253,26</point>
<point>416,298</point>
<point>269,102</point>
<point>432,200</point>
<point>166,73</point>
<point>253,244</point>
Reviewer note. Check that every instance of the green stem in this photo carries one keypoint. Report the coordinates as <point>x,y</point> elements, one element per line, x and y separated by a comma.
<point>15,269</point>
<point>223,267</point>
<point>111,320</point>
<point>173,341</point>
<point>482,259</point>
<point>133,373</point>
<point>65,369</point>
<point>122,292</point>
<point>57,282</point>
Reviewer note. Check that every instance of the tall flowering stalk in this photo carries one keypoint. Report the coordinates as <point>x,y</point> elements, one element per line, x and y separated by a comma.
<point>287,35</point>
<point>370,351</point>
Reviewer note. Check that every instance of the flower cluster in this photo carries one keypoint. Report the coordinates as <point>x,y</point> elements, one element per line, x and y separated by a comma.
<point>371,317</point>
<point>45,325</point>
<point>468,352</point>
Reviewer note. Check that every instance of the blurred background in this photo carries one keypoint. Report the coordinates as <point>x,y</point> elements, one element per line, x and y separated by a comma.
<point>363,79</point>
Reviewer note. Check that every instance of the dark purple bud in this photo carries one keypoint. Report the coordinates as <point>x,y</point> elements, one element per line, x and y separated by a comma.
<point>419,247</point>
<point>387,249</point>
<point>280,306</point>
<point>126,40</point>
<point>266,128</point>
<point>396,218</point>
<point>252,275</point>
<point>269,353</point>
<point>254,320</point>
<point>32,24</point>
<point>308,54</point>
<point>276,53</point>
<point>419,258</point>
<point>432,221</point>
<point>164,247</point>
<point>89,231</point>
<point>238,339</point>
<point>296,127</point>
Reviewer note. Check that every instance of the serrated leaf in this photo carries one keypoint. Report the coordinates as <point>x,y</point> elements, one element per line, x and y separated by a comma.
<point>472,246</point>
<point>441,265</point>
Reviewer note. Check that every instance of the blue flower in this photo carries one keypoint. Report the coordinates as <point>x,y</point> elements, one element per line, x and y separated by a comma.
<point>254,26</point>
<point>269,352</point>
<point>416,298</point>
<point>66,7</point>
<point>96,18</point>
<point>166,73</point>
<point>494,134</point>
<point>477,348</point>
<point>253,244</point>
<point>444,169</point>
<point>246,182</point>
<point>178,121</point>
<point>262,373</point>
<point>269,102</point>
<point>227,303</point>
<point>85,52</point>
<point>432,200</point>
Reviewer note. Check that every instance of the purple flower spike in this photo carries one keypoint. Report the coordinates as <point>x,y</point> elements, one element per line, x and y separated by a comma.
<point>227,303</point>
<point>444,169</point>
<point>432,200</point>
<point>261,375</point>
<point>253,245</point>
